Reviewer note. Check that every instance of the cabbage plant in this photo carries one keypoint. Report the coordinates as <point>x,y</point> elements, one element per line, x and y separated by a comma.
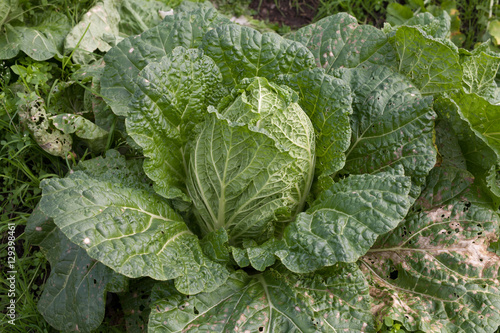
<point>324,181</point>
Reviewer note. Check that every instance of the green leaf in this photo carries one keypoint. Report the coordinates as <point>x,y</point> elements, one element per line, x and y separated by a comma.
<point>327,102</point>
<point>438,27</point>
<point>434,270</point>
<point>116,169</point>
<point>480,69</point>
<point>344,222</point>
<point>398,14</point>
<point>251,165</point>
<point>242,52</point>
<point>392,125</point>
<point>262,303</point>
<point>74,296</point>
<point>10,40</point>
<point>139,16</point>
<point>101,21</point>
<point>124,61</point>
<point>483,118</point>
<point>432,65</point>
<point>94,136</point>
<point>480,158</point>
<point>494,31</point>
<point>29,40</point>
<point>338,41</point>
<point>215,246</point>
<point>130,230</point>
<point>172,97</point>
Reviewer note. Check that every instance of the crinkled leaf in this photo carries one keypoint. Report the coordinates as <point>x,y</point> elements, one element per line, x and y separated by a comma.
<point>338,41</point>
<point>438,27</point>
<point>74,296</point>
<point>95,137</point>
<point>432,65</point>
<point>124,61</point>
<point>215,246</point>
<point>236,179</point>
<point>276,301</point>
<point>252,164</point>
<point>345,221</point>
<point>172,97</point>
<point>130,230</point>
<point>480,70</point>
<point>102,21</point>
<point>258,256</point>
<point>115,168</point>
<point>392,125</point>
<point>327,102</point>
<point>434,272</point>
<point>242,52</point>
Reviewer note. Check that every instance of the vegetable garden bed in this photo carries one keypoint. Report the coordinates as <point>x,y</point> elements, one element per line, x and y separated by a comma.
<point>183,173</point>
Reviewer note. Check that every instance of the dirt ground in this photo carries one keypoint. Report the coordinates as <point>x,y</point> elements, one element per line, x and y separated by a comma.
<point>294,13</point>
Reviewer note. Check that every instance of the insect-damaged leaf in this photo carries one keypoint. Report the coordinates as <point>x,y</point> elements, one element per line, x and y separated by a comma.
<point>333,300</point>
<point>434,271</point>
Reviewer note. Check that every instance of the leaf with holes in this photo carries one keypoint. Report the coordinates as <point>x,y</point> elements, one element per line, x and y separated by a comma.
<point>434,271</point>
<point>331,300</point>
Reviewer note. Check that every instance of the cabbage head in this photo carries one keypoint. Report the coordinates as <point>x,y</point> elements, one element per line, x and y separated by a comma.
<point>252,163</point>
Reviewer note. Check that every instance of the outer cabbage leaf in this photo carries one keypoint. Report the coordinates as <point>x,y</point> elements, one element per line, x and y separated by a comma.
<point>242,52</point>
<point>431,64</point>
<point>438,27</point>
<point>327,102</point>
<point>124,61</point>
<point>252,165</point>
<point>482,116</point>
<point>130,230</point>
<point>345,221</point>
<point>172,97</point>
<point>74,296</point>
<point>102,23</point>
<point>334,300</point>
<point>480,159</point>
<point>480,69</point>
<point>392,125</point>
<point>338,41</point>
<point>434,272</point>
